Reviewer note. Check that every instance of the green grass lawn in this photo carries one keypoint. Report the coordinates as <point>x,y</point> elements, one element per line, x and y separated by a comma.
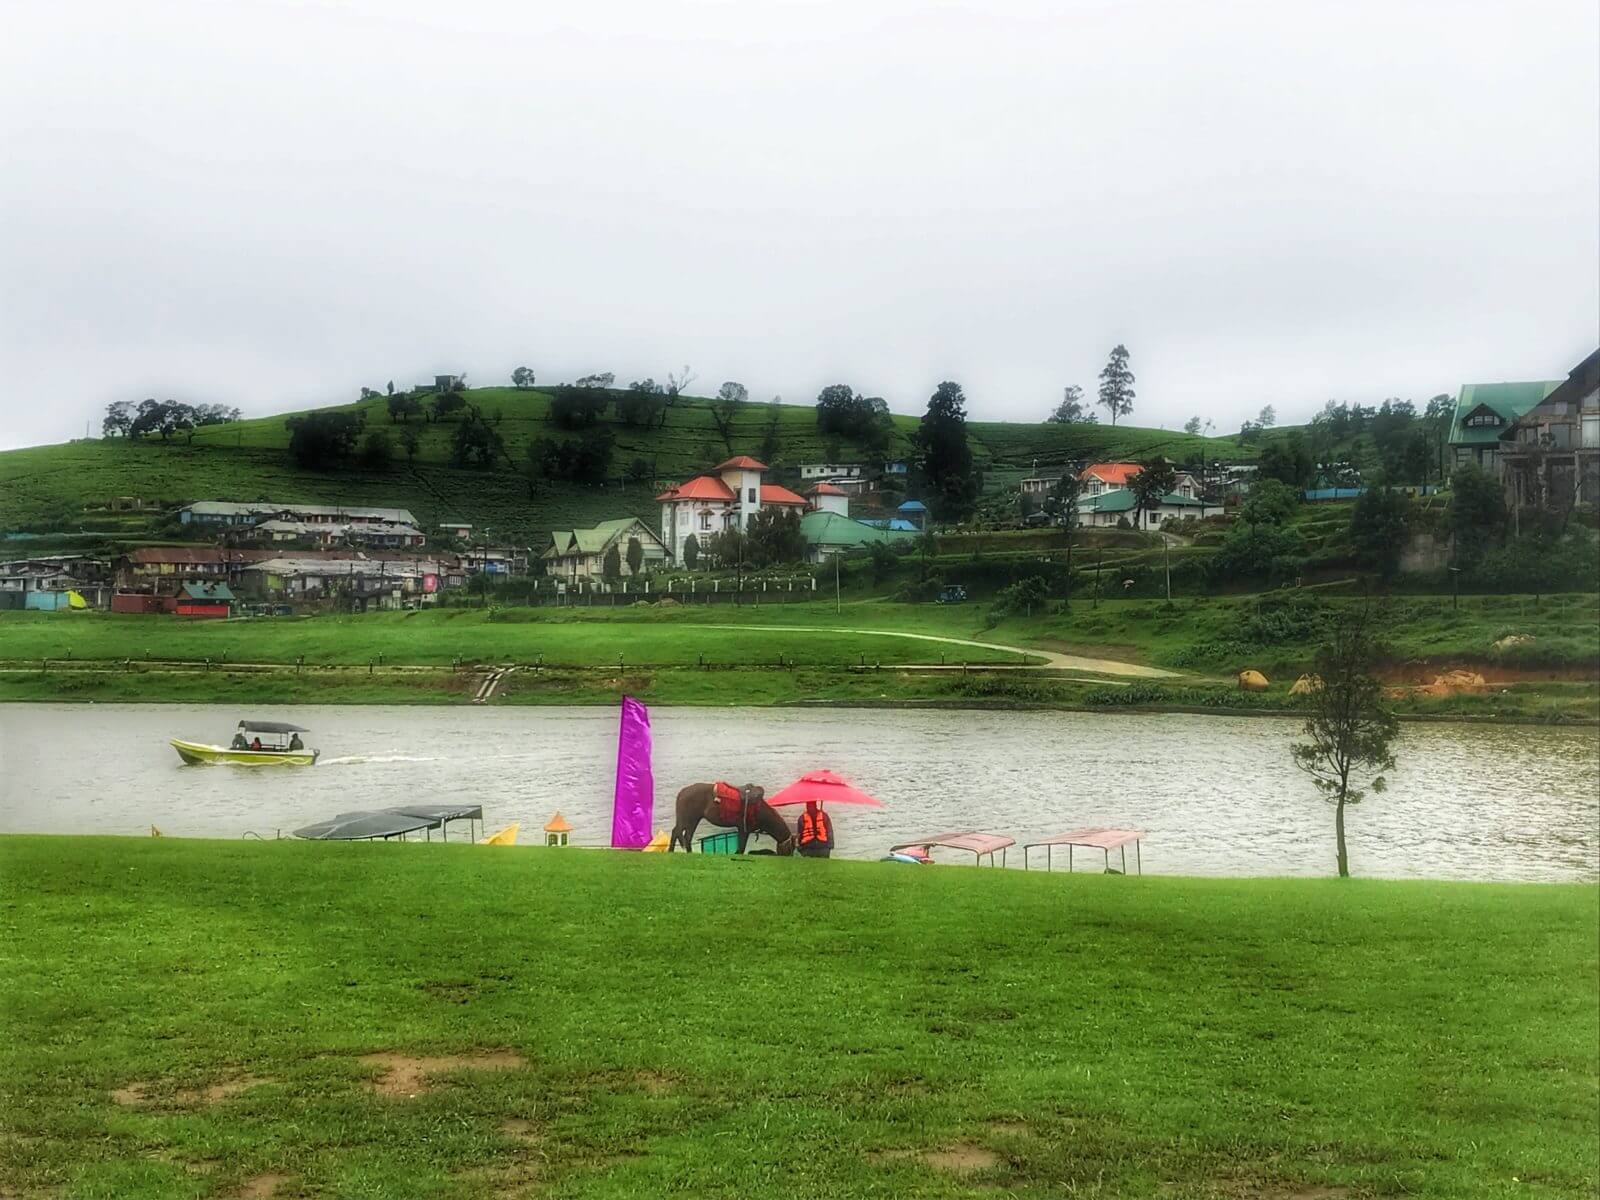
<point>643,636</point>
<point>821,650</point>
<point>192,1019</point>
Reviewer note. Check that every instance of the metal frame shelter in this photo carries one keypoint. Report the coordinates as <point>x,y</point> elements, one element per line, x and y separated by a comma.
<point>386,823</point>
<point>472,814</point>
<point>1105,840</point>
<point>978,844</point>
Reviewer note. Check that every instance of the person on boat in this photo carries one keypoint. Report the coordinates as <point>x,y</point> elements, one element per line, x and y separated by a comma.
<point>255,743</point>
<point>239,743</point>
<point>295,743</point>
<point>814,837</point>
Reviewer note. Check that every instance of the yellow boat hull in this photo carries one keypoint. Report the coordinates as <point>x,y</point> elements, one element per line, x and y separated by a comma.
<point>195,753</point>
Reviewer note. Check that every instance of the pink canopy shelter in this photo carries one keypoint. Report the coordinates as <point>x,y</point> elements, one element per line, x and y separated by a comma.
<point>1095,838</point>
<point>978,844</point>
<point>824,787</point>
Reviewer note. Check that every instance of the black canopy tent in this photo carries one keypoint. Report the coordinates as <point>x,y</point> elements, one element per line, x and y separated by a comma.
<point>387,823</point>
<point>362,826</point>
<point>444,814</point>
<point>271,727</point>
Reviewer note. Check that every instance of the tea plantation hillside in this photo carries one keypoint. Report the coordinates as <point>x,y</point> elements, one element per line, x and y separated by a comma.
<point>70,488</point>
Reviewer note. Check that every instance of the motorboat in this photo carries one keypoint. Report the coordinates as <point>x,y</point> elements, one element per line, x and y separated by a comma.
<point>255,744</point>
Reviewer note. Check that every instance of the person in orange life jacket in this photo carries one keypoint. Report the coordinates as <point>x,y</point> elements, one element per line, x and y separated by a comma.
<point>815,834</point>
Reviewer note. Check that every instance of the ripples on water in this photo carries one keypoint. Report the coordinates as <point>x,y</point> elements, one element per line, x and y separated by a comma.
<point>1219,795</point>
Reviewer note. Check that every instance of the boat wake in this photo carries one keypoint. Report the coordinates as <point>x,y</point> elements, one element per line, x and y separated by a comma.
<point>351,760</point>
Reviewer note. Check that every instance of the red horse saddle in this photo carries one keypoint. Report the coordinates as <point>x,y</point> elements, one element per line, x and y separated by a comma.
<point>729,799</point>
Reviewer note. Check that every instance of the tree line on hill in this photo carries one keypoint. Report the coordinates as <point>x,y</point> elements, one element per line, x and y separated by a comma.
<point>164,418</point>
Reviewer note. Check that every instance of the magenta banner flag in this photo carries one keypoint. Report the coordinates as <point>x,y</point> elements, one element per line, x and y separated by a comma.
<point>636,786</point>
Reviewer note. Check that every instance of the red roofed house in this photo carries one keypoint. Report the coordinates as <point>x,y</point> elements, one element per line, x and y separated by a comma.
<point>825,497</point>
<point>1100,478</point>
<point>707,504</point>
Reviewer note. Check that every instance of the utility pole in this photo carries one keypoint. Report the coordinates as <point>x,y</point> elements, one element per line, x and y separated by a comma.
<point>1166,560</point>
<point>838,604</point>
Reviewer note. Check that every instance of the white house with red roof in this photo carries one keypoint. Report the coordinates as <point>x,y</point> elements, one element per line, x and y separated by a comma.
<point>1100,478</point>
<point>826,497</point>
<point>1107,498</point>
<point>728,496</point>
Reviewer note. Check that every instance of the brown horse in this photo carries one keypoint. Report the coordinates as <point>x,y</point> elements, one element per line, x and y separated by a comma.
<point>698,802</point>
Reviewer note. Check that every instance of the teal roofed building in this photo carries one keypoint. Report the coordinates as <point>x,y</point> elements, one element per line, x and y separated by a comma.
<point>1484,411</point>
<point>1108,508</point>
<point>828,534</point>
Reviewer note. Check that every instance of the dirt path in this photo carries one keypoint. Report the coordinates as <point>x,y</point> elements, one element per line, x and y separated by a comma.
<point>1052,660</point>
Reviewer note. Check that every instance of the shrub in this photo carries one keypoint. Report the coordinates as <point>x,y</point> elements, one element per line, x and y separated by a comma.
<point>377,451</point>
<point>1251,551</point>
<point>320,440</point>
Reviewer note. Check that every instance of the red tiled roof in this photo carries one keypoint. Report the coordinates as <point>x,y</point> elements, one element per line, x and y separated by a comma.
<point>701,487</point>
<point>1112,472</point>
<point>772,493</point>
<point>742,462</point>
<point>825,489</point>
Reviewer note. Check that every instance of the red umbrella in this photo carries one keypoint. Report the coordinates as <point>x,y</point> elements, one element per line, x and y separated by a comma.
<point>824,787</point>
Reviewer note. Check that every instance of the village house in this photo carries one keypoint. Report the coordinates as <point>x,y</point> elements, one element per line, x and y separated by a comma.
<point>367,581</point>
<point>457,531</point>
<point>51,582</point>
<point>726,498</point>
<point>581,553</point>
<point>1040,485</point>
<point>818,470</point>
<point>387,535</point>
<point>226,512</point>
<point>827,497</point>
<point>1108,500</point>
<point>1113,507</point>
<point>163,569</point>
<point>496,560</point>
<point>828,534</point>
<point>1484,411</point>
<point>204,600</point>
<point>1551,453</point>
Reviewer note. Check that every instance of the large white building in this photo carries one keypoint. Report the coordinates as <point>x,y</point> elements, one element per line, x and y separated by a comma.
<point>728,496</point>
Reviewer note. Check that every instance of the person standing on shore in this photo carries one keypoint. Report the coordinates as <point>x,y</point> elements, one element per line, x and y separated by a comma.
<point>814,836</point>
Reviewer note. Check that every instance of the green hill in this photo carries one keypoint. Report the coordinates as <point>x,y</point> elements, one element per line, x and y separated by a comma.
<point>69,488</point>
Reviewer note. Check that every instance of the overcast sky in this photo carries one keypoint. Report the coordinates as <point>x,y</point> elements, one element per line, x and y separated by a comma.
<point>271,204</point>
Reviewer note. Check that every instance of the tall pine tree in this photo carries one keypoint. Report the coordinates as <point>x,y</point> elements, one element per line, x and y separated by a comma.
<point>944,459</point>
<point>1116,384</point>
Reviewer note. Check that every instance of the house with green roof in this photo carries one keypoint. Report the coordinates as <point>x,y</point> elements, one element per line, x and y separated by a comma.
<point>1486,410</point>
<point>581,553</point>
<point>829,533</point>
<point>1108,508</point>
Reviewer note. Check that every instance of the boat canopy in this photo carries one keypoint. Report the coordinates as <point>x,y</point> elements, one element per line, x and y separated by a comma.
<point>360,826</point>
<point>271,727</point>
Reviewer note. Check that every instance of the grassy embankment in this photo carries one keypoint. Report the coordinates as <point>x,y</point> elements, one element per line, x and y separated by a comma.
<point>192,1019</point>
<point>64,488</point>
<point>721,655</point>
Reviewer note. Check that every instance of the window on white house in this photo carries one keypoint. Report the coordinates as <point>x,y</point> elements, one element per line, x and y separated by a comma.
<point>705,520</point>
<point>752,495</point>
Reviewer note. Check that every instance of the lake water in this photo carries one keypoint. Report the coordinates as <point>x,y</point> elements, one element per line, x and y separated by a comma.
<point>1218,794</point>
